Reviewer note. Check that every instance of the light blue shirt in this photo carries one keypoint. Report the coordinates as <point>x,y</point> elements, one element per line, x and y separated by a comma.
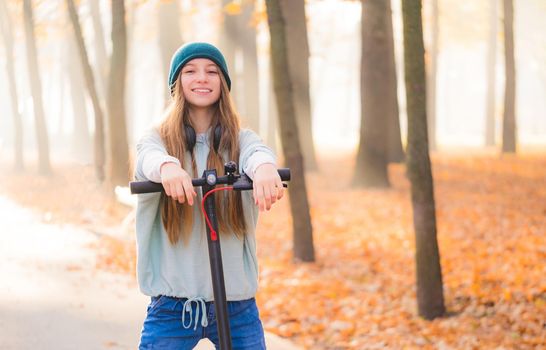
<point>183,270</point>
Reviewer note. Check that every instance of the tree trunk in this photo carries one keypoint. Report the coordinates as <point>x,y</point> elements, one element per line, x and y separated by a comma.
<point>131,75</point>
<point>170,39</point>
<point>491,75</point>
<point>303,232</point>
<point>44,166</point>
<point>81,136</point>
<point>60,129</point>
<point>395,149</point>
<point>90,83</point>
<point>238,44</point>
<point>298,59</point>
<point>372,156</point>
<point>100,49</point>
<point>272,114</point>
<point>5,27</point>
<point>431,78</point>
<point>509,120</point>
<point>251,90</point>
<point>119,149</point>
<point>228,46</point>
<point>430,297</point>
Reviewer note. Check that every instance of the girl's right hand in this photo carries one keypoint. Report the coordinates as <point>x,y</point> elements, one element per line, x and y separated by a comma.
<point>177,182</point>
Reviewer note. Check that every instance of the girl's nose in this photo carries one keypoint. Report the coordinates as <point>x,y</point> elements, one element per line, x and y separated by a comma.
<point>201,75</point>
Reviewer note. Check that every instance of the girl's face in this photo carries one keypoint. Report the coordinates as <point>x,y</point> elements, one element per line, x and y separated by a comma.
<point>200,80</point>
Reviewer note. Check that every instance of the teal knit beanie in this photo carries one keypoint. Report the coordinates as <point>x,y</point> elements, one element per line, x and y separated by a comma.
<point>193,50</point>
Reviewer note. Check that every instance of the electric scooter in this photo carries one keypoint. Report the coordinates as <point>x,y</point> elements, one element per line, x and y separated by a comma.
<point>208,182</point>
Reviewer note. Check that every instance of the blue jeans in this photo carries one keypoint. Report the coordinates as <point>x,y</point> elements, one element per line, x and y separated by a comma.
<point>167,327</point>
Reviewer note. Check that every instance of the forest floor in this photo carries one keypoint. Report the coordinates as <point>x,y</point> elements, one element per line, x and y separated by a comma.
<point>360,293</point>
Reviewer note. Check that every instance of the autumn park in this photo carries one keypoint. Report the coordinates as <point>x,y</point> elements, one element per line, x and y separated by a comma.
<point>412,216</point>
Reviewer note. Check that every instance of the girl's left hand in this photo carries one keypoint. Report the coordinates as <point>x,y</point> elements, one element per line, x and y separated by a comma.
<point>267,186</point>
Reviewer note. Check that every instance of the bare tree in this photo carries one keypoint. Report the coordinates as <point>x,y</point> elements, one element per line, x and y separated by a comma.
<point>431,77</point>
<point>170,39</point>
<point>101,66</point>
<point>238,43</point>
<point>303,232</point>
<point>90,83</point>
<point>395,149</point>
<point>297,42</point>
<point>249,52</point>
<point>372,156</point>
<point>430,297</point>
<point>491,64</point>
<point>5,27</point>
<point>81,136</point>
<point>228,46</point>
<point>119,148</point>
<point>272,114</point>
<point>509,120</point>
<point>44,165</point>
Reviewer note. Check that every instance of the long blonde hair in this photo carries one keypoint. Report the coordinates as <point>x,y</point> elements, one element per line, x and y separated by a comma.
<point>178,218</point>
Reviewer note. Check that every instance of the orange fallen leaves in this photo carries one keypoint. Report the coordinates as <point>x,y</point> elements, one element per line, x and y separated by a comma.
<point>491,224</point>
<point>360,293</point>
<point>116,255</point>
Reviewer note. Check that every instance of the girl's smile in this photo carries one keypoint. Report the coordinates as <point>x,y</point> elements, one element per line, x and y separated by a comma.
<point>202,91</point>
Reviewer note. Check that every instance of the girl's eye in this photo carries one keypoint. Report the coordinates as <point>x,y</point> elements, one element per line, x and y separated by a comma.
<point>188,71</point>
<point>213,72</point>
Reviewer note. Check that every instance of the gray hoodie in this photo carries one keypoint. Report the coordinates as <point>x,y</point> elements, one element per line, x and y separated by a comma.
<point>183,270</point>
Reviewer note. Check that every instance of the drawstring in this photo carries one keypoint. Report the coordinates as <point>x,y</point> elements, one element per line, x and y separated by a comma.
<point>187,308</point>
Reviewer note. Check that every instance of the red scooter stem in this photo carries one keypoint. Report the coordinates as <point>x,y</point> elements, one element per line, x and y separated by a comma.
<point>215,258</point>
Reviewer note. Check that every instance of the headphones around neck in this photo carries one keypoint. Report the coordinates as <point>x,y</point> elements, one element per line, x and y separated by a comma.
<point>191,137</point>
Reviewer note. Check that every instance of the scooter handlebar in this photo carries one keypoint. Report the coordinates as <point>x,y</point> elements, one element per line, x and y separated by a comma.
<point>242,183</point>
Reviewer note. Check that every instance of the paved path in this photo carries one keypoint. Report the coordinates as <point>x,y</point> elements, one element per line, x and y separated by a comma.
<point>52,296</point>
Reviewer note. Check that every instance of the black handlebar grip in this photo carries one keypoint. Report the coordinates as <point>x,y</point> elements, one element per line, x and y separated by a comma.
<point>284,173</point>
<point>138,187</point>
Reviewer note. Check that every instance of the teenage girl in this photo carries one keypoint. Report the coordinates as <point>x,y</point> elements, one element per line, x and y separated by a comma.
<point>200,131</point>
